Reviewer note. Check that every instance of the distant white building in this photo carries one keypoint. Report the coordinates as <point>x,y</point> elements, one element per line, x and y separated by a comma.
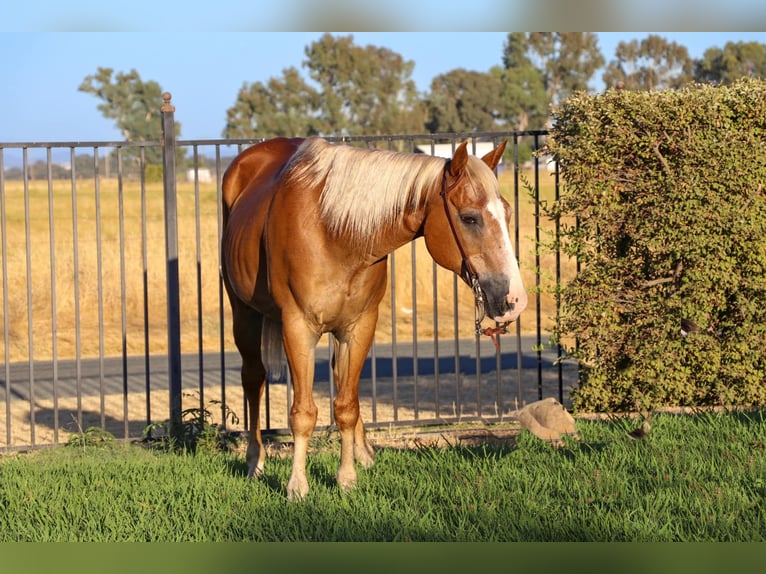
<point>446,150</point>
<point>204,174</point>
<point>545,162</point>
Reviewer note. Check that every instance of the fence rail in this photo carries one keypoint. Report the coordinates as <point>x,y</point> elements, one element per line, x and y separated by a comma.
<point>114,314</point>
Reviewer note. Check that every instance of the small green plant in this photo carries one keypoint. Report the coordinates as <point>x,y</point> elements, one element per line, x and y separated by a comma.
<point>197,429</point>
<point>91,436</point>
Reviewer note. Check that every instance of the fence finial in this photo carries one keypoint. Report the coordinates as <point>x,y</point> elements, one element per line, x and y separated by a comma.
<point>167,106</point>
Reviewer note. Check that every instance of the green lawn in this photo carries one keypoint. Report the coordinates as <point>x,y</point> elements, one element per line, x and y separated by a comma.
<point>693,478</point>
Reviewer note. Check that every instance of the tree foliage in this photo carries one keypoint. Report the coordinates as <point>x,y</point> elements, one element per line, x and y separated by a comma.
<point>567,61</point>
<point>735,60</point>
<point>348,89</point>
<point>363,90</point>
<point>463,100</point>
<point>285,106</point>
<point>653,63</point>
<point>132,103</point>
<point>525,99</point>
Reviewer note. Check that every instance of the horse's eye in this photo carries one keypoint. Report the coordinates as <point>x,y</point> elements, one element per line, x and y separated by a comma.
<point>469,219</point>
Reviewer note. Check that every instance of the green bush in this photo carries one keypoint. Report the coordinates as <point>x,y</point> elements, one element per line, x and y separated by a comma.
<point>153,173</point>
<point>664,192</point>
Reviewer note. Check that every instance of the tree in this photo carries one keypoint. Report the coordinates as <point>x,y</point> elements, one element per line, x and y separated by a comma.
<point>133,104</point>
<point>463,101</point>
<point>567,61</point>
<point>735,60</point>
<point>363,90</point>
<point>283,107</point>
<point>653,63</point>
<point>524,96</point>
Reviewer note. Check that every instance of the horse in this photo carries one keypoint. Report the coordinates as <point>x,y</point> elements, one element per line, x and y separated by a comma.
<point>307,229</point>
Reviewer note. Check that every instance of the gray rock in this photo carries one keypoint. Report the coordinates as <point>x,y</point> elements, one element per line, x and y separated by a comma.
<point>548,420</point>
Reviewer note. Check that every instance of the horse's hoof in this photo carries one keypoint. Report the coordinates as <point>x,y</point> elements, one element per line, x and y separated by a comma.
<point>297,490</point>
<point>346,480</point>
<point>254,471</point>
<point>364,455</point>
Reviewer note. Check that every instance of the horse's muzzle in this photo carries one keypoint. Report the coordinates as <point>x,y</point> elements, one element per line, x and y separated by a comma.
<point>504,302</point>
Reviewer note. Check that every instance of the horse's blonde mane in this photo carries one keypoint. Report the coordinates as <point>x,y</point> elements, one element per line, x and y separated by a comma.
<point>364,189</point>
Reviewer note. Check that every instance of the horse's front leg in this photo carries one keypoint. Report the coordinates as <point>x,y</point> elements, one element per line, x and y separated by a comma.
<point>363,451</point>
<point>364,454</point>
<point>300,348</point>
<point>350,353</point>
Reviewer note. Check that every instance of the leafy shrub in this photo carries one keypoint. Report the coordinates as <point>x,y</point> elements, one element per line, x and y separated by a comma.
<point>197,430</point>
<point>91,436</point>
<point>666,194</point>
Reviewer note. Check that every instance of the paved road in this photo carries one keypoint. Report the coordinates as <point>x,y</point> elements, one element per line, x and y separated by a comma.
<point>113,375</point>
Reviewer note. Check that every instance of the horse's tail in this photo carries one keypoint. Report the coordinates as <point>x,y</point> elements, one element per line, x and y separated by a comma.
<point>272,349</point>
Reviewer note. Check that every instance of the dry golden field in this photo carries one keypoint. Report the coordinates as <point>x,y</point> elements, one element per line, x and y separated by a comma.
<point>98,279</point>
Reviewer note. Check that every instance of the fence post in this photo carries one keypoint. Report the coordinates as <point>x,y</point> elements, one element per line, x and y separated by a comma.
<point>171,252</point>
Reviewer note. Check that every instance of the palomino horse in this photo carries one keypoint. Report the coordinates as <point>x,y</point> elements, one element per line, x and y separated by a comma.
<point>307,230</point>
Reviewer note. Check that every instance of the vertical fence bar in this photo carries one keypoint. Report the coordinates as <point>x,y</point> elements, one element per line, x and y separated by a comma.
<point>221,302</point>
<point>374,374</point>
<point>559,348</point>
<point>76,280</point>
<point>6,323</point>
<point>145,288</point>
<point>414,283</point>
<point>477,350</point>
<point>54,325</point>
<point>331,374</point>
<point>171,258</point>
<point>435,288</point>
<point>435,313</point>
<point>456,336</point>
<point>100,284</point>
<point>538,316</point>
<point>123,291</point>
<point>30,323</point>
<point>414,310</point>
<point>477,340</point>
<point>516,233</point>
<point>499,401</point>
<point>200,318</point>
<point>394,372</point>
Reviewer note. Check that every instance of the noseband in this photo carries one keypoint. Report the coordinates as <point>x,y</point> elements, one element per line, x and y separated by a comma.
<point>469,273</point>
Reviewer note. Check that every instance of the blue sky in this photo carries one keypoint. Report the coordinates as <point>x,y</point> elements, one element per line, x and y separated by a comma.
<point>39,99</point>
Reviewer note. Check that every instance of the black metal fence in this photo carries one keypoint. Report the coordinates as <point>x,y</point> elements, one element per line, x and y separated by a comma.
<point>114,314</point>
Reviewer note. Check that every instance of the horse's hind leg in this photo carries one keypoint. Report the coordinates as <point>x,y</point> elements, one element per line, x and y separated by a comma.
<point>248,325</point>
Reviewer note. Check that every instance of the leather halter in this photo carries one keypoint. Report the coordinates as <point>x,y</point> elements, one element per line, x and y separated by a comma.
<point>469,274</point>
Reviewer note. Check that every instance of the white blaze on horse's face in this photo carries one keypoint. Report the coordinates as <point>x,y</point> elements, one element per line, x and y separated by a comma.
<point>494,261</point>
<point>516,297</point>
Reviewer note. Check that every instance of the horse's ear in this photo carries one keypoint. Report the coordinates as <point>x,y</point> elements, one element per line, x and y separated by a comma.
<point>459,159</point>
<point>493,158</point>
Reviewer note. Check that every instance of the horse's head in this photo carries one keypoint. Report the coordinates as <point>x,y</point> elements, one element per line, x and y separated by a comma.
<point>466,231</point>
